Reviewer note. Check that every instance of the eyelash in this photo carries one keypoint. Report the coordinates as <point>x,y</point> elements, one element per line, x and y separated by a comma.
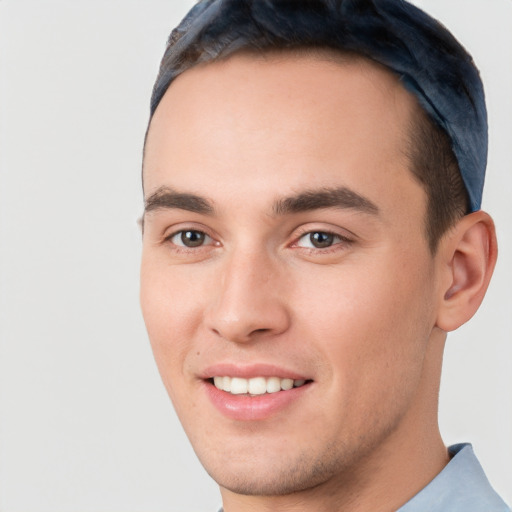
<point>340,242</point>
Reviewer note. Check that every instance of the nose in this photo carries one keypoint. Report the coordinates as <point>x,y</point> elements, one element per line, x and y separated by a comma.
<point>248,304</point>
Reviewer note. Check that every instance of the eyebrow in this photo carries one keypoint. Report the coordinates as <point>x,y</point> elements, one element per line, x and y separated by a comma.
<point>340,197</point>
<point>167,198</point>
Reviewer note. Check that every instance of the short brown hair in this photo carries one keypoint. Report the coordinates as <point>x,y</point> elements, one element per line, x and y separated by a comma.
<point>434,165</point>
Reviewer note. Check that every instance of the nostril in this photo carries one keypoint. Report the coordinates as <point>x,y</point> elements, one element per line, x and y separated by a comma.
<point>260,331</point>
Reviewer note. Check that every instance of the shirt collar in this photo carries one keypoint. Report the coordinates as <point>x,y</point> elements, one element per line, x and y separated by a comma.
<point>461,487</point>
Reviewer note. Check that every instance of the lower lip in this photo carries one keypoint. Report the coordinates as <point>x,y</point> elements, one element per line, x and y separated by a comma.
<point>253,408</point>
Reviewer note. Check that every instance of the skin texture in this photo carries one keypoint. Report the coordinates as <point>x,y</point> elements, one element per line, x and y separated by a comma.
<point>364,319</point>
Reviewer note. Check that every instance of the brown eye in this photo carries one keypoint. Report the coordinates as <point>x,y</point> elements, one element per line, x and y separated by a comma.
<point>320,239</point>
<point>323,240</point>
<point>190,238</point>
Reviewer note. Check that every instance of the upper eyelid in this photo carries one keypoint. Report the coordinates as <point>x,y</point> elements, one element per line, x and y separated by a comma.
<point>326,231</point>
<point>343,233</point>
<point>171,231</point>
<point>177,232</point>
<point>341,239</point>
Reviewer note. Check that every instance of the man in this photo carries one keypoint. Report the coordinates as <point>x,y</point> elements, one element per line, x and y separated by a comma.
<point>313,174</point>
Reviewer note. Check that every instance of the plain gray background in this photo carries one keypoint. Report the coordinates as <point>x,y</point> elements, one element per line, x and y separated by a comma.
<point>85,424</point>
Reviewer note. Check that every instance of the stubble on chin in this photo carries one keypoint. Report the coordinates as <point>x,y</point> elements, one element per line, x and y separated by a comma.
<point>305,471</point>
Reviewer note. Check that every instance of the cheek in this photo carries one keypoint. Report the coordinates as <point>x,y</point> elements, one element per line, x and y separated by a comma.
<point>171,312</point>
<point>171,309</point>
<point>370,323</point>
<point>170,296</point>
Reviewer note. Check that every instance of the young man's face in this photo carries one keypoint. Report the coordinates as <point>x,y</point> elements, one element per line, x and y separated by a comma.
<point>284,240</point>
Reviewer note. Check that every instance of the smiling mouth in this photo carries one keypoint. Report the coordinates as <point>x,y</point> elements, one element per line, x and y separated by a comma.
<point>255,386</point>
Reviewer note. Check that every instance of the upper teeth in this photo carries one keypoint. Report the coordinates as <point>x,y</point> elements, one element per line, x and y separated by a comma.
<point>256,385</point>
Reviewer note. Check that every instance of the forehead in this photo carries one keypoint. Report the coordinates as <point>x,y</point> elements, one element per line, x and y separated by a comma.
<point>286,114</point>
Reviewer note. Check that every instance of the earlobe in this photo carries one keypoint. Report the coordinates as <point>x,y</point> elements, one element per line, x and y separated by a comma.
<point>468,255</point>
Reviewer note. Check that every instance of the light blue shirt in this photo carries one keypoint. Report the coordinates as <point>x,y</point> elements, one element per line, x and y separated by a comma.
<point>460,487</point>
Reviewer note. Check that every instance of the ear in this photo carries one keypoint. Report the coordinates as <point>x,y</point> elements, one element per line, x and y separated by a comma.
<point>467,256</point>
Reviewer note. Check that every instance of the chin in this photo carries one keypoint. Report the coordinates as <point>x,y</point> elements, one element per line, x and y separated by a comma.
<point>277,482</point>
<point>257,473</point>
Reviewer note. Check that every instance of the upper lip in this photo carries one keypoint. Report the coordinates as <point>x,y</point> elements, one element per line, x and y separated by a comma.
<point>248,371</point>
